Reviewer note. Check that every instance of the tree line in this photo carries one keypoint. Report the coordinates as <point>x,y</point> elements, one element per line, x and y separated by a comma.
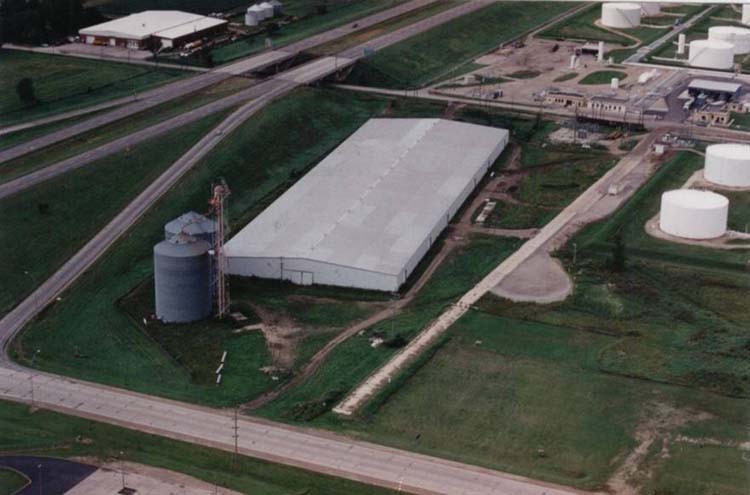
<point>43,21</point>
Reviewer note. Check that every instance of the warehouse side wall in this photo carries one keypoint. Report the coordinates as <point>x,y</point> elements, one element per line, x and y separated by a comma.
<point>308,272</point>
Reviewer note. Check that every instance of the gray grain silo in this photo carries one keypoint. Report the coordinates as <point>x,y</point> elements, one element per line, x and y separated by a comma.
<point>182,279</point>
<point>192,224</point>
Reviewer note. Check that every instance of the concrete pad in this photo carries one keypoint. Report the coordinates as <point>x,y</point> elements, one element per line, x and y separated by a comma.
<point>145,480</point>
<point>540,279</point>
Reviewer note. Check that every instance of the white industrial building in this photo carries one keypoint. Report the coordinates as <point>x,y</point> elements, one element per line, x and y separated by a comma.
<point>366,215</point>
<point>693,214</point>
<point>711,54</point>
<point>621,15</point>
<point>153,28</point>
<point>737,36</point>
<point>728,164</point>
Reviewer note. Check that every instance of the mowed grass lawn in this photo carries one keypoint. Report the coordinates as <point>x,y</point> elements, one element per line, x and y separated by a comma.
<point>115,130</point>
<point>52,434</point>
<point>48,223</point>
<point>67,83</point>
<point>441,51</point>
<point>527,398</point>
<point>11,481</point>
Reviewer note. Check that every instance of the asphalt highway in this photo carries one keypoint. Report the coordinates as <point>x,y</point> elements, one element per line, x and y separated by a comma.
<point>138,103</point>
<point>303,74</point>
<point>308,449</point>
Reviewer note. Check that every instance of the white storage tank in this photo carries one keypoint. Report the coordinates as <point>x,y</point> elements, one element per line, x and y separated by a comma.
<point>739,37</point>
<point>746,14</point>
<point>621,15</point>
<point>267,9</point>
<point>650,8</point>
<point>254,16</point>
<point>711,54</point>
<point>693,214</point>
<point>728,164</point>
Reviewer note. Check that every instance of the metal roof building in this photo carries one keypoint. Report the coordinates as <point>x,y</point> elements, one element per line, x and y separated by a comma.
<point>169,27</point>
<point>366,215</point>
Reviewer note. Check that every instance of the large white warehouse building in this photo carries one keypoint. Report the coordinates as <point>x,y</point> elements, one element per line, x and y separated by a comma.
<point>366,215</point>
<point>693,214</point>
<point>728,164</point>
<point>153,28</point>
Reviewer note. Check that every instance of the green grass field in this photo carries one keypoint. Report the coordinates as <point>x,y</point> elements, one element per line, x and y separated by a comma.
<point>46,224</point>
<point>66,83</point>
<point>53,434</point>
<point>11,481</point>
<point>603,77</point>
<point>527,398</point>
<point>443,51</point>
<point>308,24</point>
<point>102,135</point>
<point>352,361</point>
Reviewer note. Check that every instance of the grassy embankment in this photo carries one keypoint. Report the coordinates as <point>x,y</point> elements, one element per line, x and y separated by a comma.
<point>53,434</point>
<point>67,83</point>
<point>46,224</point>
<point>308,24</point>
<point>11,481</point>
<point>448,50</point>
<point>104,134</point>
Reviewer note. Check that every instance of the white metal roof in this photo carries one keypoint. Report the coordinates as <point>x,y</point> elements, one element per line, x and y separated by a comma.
<point>709,85</point>
<point>168,24</point>
<point>374,200</point>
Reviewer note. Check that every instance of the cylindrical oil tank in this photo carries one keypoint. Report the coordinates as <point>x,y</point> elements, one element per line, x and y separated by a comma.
<point>182,279</point>
<point>650,8</point>
<point>253,16</point>
<point>693,214</point>
<point>621,15</point>
<point>737,36</point>
<point>746,14</point>
<point>728,164</point>
<point>278,7</point>
<point>193,224</point>
<point>711,54</point>
<point>267,10</point>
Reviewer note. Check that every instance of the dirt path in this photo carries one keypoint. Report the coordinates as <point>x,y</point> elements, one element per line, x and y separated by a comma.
<point>450,243</point>
<point>658,421</point>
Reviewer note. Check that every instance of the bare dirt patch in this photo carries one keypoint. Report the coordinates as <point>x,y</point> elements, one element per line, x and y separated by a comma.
<point>658,421</point>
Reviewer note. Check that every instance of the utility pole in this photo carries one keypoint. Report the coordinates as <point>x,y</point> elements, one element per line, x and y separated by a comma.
<point>236,435</point>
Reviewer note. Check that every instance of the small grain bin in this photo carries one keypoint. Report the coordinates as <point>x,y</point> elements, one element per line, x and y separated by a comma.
<point>182,279</point>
